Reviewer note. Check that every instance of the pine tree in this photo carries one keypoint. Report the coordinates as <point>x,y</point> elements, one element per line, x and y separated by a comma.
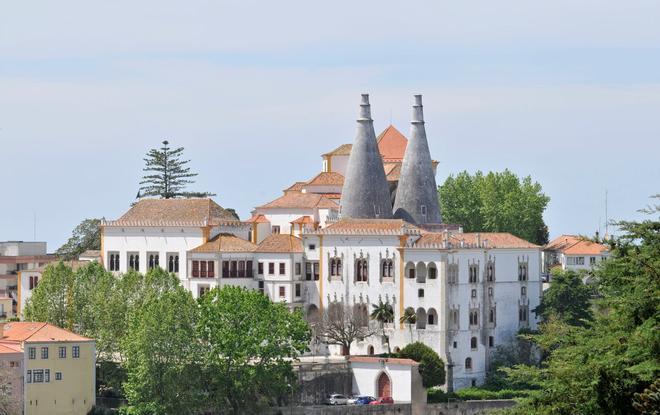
<point>168,175</point>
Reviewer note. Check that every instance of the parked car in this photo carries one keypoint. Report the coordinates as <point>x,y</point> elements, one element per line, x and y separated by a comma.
<point>336,399</point>
<point>383,400</point>
<point>352,399</point>
<point>364,400</point>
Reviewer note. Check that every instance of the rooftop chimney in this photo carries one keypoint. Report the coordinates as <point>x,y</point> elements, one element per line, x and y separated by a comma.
<point>417,193</point>
<point>365,194</point>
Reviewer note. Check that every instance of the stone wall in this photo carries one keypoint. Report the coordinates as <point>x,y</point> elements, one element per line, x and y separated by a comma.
<point>452,408</point>
<point>317,380</point>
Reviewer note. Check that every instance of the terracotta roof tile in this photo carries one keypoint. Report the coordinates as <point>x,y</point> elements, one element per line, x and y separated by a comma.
<point>38,332</point>
<point>370,226</point>
<point>305,220</point>
<point>326,179</point>
<point>280,243</point>
<point>342,150</point>
<point>226,242</point>
<point>575,245</point>
<point>373,359</point>
<point>500,240</point>
<point>301,200</point>
<point>296,187</point>
<point>174,212</point>
<point>7,347</point>
<point>392,144</point>
<point>257,219</point>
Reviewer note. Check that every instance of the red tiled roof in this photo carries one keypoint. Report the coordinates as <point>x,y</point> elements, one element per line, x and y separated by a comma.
<point>373,359</point>
<point>370,226</point>
<point>500,240</point>
<point>575,245</point>
<point>174,212</point>
<point>301,200</point>
<point>226,242</point>
<point>296,187</point>
<point>38,332</point>
<point>305,220</point>
<point>257,219</point>
<point>342,150</point>
<point>392,144</point>
<point>7,347</point>
<point>326,179</point>
<point>280,243</point>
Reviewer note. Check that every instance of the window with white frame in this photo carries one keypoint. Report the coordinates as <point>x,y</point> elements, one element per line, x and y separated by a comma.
<point>387,268</point>
<point>173,263</point>
<point>335,267</point>
<point>134,261</point>
<point>113,261</point>
<point>361,270</point>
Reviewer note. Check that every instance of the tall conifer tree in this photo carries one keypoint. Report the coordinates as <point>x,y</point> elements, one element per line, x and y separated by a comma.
<point>167,175</point>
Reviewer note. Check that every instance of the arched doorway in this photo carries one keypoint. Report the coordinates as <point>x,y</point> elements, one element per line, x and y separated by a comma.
<point>370,350</point>
<point>384,385</point>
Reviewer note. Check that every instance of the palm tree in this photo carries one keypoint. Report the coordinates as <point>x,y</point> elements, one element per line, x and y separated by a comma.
<point>409,317</point>
<point>383,313</point>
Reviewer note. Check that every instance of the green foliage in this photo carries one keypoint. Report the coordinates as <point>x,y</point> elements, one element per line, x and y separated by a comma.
<point>437,395</point>
<point>495,202</point>
<point>86,236</point>
<point>383,313</point>
<point>167,175</point>
<point>568,299</point>
<point>248,342</point>
<point>648,402</point>
<point>431,366</point>
<point>597,369</point>
<point>162,355</point>
<point>520,351</point>
<point>51,299</point>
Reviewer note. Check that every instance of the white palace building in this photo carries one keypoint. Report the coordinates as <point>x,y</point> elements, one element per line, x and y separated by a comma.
<point>367,228</point>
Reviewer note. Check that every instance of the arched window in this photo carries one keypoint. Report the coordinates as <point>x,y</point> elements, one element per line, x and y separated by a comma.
<point>522,271</point>
<point>432,317</point>
<point>491,315</point>
<point>361,316</point>
<point>432,271</point>
<point>468,363</point>
<point>410,270</point>
<point>474,318</point>
<point>421,272</point>
<point>474,294</point>
<point>397,349</point>
<point>473,343</point>
<point>170,263</point>
<point>370,350</point>
<point>523,291</point>
<point>387,269</point>
<point>474,273</point>
<point>421,318</point>
<point>361,270</point>
<point>335,267</point>
<point>312,313</point>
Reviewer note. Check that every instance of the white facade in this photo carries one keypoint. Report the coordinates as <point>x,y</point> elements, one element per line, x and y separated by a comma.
<point>405,382</point>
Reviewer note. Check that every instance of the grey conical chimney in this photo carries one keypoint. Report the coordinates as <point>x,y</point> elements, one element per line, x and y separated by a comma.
<point>365,194</point>
<point>417,194</point>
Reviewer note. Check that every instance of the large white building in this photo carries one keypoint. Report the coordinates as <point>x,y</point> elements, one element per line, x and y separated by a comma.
<point>366,229</point>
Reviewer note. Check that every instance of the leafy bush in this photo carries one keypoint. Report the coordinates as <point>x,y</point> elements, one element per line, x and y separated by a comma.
<point>99,410</point>
<point>431,367</point>
<point>436,395</point>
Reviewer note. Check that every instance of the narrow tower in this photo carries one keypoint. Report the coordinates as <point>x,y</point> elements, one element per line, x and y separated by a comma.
<point>417,194</point>
<point>365,194</point>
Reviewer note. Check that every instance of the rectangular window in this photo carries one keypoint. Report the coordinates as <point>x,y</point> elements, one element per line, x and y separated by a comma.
<point>202,290</point>
<point>75,352</point>
<point>298,290</point>
<point>261,286</point>
<point>282,291</point>
<point>47,375</point>
<point>298,268</point>
<point>113,261</point>
<point>249,269</point>
<point>225,269</point>
<point>134,261</point>
<point>44,352</point>
<point>592,260</point>
<point>38,375</point>
<point>271,268</point>
<point>491,341</point>
<point>32,351</point>
<point>316,271</point>
<point>211,269</point>
<point>233,269</point>
<point>62,352</point>
<point>580,260</point>
<point>173,263</point>
<point>308,271</point>
<point>202,269</point>
<point>282,268</point>
<point>312,247</point>
<point>275,229</point>
<point>241,269</point>
<point>28,379</point>
<point>195,269</point>
<point>153,259</point>
<point>58,375</point>
<point>420,292</point>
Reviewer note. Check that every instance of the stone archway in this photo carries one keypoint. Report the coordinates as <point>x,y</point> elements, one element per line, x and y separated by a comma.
<point>383,385</point>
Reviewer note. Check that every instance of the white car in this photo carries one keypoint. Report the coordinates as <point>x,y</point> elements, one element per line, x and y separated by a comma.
<point>336,399</point>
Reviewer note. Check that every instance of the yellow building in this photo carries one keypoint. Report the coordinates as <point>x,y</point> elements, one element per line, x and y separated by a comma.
<point>58,368</point>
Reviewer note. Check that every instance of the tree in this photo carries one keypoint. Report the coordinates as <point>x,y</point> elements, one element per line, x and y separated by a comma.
<point>10,403</point>
<point>431,366</point>
<point>495,202</point>
<point>568,298</point>
<point>342,324</point>
<point>383,313</point>
<point>648,402</point>
<point>249,342</point>
<point>162,355</point>
<point>167,175</point>
<point>597,369</point>
<point>409,317</point>
<point>86,236</point>
<point>52,299</point>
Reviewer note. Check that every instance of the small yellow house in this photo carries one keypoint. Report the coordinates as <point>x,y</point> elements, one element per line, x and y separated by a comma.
<point>58,368</point>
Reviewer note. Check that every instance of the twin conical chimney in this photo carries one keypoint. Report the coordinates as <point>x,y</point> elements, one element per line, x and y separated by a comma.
<point>365,194</point>
<point>417,193</point>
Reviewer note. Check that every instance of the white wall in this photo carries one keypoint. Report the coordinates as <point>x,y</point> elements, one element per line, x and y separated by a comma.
<point>365,378</point>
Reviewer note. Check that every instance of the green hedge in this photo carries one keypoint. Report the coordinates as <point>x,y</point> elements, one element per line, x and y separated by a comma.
<point>474,394</point>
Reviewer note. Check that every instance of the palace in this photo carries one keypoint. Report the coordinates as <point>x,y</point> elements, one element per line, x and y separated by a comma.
<point>367,228</point>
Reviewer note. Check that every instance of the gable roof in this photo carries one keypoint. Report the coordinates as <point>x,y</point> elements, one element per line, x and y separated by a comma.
<point>305,220</point>
<point>342,150</point>
<point>257,219</point>
<point>392,144</point>
<point>175,212</point>
<point>502,240</point>
<point>284,243</point>
<point>300,200</point>
<point>226,242</point>
<point>23,331</point>
<point>296,187</point>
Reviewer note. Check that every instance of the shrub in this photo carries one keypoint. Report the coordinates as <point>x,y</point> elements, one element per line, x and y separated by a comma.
<point>431,367</point>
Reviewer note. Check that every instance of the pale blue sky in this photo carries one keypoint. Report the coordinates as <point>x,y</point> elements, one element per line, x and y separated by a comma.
<point>565,91</point>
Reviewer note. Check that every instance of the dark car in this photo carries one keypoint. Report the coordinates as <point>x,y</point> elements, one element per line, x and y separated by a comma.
<point>383,400</point>
<point>364,400</point>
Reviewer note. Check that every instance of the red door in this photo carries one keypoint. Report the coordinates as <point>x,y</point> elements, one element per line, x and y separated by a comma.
<point>384,385</point>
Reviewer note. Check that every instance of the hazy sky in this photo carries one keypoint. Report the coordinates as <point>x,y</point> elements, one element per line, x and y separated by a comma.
<point>565,91</point>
